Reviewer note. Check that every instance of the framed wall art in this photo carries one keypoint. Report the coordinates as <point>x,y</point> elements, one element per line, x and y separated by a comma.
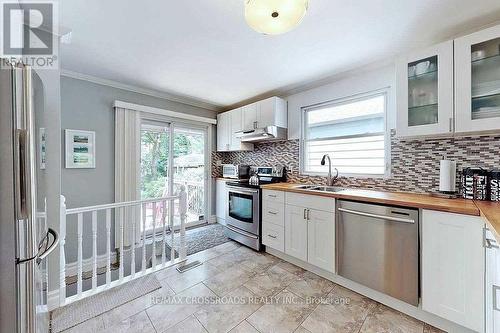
<point>80,149</point>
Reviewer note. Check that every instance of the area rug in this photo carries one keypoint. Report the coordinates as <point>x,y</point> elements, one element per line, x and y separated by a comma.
<point>93,306</point>
<point>201,238</point>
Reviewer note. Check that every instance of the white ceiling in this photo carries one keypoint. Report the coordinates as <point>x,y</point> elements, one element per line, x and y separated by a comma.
<point>204,49</point>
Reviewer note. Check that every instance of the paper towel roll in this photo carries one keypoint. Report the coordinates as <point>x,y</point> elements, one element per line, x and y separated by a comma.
<point>447,176</point>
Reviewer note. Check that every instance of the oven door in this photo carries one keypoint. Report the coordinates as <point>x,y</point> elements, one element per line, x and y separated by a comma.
<point>243,209</point>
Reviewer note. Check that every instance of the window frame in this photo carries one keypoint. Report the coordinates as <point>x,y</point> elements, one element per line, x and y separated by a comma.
<point>172,124</point>
<point>342,101</point>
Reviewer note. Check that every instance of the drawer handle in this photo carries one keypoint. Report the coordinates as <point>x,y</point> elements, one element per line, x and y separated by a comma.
<point>273,213</point>
<point>272,195</point>
<point>274,237</point>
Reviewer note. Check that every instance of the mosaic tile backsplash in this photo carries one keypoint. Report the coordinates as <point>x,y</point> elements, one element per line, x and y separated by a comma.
<point>414,163</point>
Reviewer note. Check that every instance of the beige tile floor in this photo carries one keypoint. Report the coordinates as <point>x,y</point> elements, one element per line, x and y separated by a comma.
<point>256,292</point>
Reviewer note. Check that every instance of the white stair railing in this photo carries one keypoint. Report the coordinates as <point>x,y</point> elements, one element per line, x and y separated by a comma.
<point>139,240</point>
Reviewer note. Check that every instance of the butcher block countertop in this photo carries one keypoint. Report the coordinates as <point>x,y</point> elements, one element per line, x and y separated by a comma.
<point>459,206</point>
<point>490,211</point>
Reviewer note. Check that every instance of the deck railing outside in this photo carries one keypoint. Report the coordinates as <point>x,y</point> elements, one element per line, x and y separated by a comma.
<point>195,203</point>
<point>162,229</point>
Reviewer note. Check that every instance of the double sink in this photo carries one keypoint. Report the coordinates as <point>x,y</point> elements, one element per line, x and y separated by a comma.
<point>319,188</point>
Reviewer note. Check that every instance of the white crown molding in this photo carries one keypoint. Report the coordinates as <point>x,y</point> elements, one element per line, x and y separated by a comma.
<point>357,70</point>
<point>144,91</point>
<point>293,89</point>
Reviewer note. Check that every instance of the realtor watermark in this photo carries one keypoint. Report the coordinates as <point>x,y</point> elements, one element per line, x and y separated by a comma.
<point>29,33</point>
<point>236,300</point>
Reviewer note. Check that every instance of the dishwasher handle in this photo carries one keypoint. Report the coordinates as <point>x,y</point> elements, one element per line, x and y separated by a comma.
<point>376,216</point>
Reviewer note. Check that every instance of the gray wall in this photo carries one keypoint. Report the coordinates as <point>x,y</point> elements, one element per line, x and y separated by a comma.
<point>89,106</point>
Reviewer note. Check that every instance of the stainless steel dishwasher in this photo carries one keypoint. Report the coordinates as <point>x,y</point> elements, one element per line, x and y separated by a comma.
<point>378,247</point>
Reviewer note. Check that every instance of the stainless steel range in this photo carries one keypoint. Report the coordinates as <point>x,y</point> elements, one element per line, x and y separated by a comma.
<point>243,213</point>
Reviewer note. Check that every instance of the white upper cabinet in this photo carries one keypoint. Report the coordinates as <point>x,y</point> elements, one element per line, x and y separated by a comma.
<point>425,92</point>
<point>477,81</point>
<point>250,115</point>
<point>236,126</point>
<point>223,131</point>
<point>269,112</point>
<point>273,112</point>
<point>228,124</point>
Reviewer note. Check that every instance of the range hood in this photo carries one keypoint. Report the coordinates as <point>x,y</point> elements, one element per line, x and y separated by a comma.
<point>265,134</point>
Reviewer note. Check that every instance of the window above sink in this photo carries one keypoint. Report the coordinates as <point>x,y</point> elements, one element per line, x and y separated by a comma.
<point>351,131</point>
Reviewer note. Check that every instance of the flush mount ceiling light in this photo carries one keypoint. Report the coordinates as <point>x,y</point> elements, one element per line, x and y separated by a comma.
<point>274,17</point>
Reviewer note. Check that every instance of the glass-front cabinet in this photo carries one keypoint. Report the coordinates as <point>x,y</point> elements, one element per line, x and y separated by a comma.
<point>477,81</point>
<point>425,92</point>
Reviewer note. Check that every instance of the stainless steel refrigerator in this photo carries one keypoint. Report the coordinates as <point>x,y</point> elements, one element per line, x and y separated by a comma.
<point>25,239</point>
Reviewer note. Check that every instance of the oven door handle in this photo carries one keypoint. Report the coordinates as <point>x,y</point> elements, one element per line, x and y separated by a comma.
<point>241,191</point>
<point>241,232</point>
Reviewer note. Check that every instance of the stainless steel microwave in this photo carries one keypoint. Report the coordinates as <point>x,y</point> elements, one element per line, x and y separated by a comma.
<point>235,171</point>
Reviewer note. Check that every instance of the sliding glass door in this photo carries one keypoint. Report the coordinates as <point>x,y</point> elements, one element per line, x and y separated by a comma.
<point>189,169</point>
<point>173,155</point>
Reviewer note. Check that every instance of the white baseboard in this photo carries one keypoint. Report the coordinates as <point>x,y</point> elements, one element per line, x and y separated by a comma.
<point>220,221</point>
<point>415,312</point>
<point>88,263</point>
<point>53,299</point>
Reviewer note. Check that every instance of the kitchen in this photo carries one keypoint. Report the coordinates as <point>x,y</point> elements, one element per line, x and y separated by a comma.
<point>255,166</point>
<point>388,221</point>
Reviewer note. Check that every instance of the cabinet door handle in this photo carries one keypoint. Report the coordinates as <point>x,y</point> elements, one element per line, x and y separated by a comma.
<point>255,125</point>
<point>308,216</point>
<point>496,289</point>
<point>451,124</point>
<point>491,244</point>
<point>305,218</point>
<point>274,237</point>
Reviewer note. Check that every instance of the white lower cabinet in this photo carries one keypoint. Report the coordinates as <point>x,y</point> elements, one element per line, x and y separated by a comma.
<point>221,201</point>
<point>453,266</point>
<point>273,236</point>
<point>273,212</point>
<point>492,284</point>
<point>273,219</point>
<point>296,232</point>
<point>321,239</point>
<point>309,231</point>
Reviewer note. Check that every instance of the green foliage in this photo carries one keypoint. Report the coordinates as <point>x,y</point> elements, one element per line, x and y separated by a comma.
<point>153,188</point>
<point>155,155</point>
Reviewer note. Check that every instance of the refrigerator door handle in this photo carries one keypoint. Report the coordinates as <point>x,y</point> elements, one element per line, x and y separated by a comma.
<point>51,247</point>
<point>21,178</point>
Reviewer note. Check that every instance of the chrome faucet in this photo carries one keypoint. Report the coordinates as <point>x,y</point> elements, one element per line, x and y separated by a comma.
<point>331,180</point>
